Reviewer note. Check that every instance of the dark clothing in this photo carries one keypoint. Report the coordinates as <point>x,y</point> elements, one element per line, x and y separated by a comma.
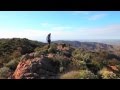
<point>49,39</point>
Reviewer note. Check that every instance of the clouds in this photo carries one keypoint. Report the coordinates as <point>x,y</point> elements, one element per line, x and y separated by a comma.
<point>97,16</point>
<point>108,32</point>
<point>55,26</point>
<point>71,25</point>
<point>91,15</point>
<point>46,24</point>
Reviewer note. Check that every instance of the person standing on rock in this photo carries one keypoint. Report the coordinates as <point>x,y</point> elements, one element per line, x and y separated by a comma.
<point>49,39</point>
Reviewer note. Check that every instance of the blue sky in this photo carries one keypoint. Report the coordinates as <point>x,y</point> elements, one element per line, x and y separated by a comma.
<point>64,25</point>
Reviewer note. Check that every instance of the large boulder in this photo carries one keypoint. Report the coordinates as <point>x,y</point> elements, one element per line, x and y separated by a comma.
<point>37,68</point>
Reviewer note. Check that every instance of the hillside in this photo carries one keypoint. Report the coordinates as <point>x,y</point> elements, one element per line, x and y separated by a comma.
<point>13,48</point>
<point>93,46</point>
<point>26,59</point>
<point>62,61</point>
<point>105,41</point>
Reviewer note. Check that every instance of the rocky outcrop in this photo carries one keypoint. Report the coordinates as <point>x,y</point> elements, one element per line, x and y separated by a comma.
<point>42,66</point>
<point>37,68</point>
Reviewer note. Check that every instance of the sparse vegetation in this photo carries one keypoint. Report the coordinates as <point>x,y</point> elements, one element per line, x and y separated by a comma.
<point>12,64</point>
<point>4,72</point>
<point>70,75</point>
<point>82,74</point>
<point>78,65</point>
<point>68,62</point>
<point>106,74</point>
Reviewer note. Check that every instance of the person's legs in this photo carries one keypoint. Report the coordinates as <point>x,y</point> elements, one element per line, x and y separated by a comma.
<point>48,43</point>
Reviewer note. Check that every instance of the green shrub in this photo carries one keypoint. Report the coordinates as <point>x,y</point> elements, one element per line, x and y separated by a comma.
<point>12,64</point>
<point>81,55</point>
<point>53,48</point>
<point>105,74</point>
<point>113,62</point>
<point>63,62</point>
<point>66,53</point>
<point>85,74</point>
<point>76,51</point>
<point>4,72</point>
<point>78,65</point>
<point>94,66</point>
<point>42,50</point>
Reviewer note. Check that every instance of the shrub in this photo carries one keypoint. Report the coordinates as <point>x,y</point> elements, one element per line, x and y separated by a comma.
<point>12,64</point>
<point>53,48</point>
<point>42,50</point>
<point>63,62</point>
<point>94,66</point>
<point>76,51</point>
<point>81,55</point>
<point>118,66</point>
<point>66,53</point>
<point>113,62</point>
<point>4,72</point>
<point>85,74</point>
<point>78,65</point>
<point>105,74</point>
<point>16,54</point>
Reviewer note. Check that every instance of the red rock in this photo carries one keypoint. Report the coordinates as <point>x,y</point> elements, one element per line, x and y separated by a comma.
<point>35,68</point>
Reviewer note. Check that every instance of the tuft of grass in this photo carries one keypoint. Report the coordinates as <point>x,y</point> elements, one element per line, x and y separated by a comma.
<point>81,74</point>
<point>70,75</point>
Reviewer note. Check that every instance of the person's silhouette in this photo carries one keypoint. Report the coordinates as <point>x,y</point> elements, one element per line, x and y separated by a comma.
<point>49,39</point>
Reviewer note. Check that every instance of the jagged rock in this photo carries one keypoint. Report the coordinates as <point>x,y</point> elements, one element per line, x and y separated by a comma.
<point>36,68</point>
<point>22,68</point>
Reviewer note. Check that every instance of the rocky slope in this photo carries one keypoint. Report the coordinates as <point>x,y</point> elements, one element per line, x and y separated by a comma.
<point>39,66</point>
<point>61,61</point>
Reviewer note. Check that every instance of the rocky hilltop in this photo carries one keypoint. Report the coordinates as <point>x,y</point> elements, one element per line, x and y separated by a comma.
<point>26,59</point>
<point>61,61</point>
<point>41,66</point>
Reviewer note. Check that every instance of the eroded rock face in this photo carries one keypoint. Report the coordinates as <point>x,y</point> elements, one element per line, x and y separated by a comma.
<point>37,68</point>
<point>22,68</point>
